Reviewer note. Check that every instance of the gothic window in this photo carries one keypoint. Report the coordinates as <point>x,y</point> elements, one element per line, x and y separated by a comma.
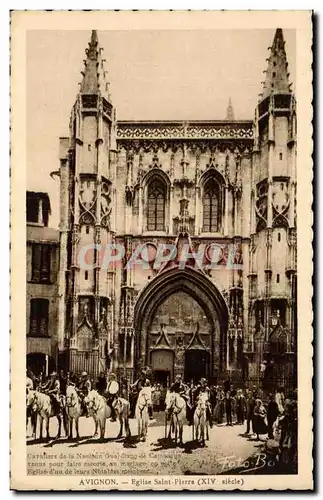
<point>40,263</point>
<point>211,207</point>
<point>38,318</point>
<point>156,206</point>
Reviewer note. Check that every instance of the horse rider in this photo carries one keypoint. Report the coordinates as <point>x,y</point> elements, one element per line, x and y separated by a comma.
<point>52,388</point>
<point>180,388</point>
<point>139,384</point>
<point>112,393</point>
<point>83,390</point>
<point>203,388</point>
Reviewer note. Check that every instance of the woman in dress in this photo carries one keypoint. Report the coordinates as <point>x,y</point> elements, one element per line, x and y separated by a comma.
<point>259,424</point>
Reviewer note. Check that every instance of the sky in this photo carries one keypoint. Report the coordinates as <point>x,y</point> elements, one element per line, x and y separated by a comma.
<point>154,75</point>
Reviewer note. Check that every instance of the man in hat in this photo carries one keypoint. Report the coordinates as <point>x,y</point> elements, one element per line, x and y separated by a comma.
<point>83,390</point>
<point>203,388</point>
<point>52,388</point>
<point>112,393</point>
<point>179,387</point>
<point>136,387</point>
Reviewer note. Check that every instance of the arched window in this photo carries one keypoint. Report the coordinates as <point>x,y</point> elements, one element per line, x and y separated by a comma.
<point>211,207</point>
<point>156,206</point>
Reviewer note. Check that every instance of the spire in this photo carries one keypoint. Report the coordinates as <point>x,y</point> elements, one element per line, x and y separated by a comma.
<point>94,75</point>
<point>277,76</point>
<point>230,111</point>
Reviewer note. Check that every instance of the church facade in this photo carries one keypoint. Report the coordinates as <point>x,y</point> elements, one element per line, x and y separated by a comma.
<point>220,193</point>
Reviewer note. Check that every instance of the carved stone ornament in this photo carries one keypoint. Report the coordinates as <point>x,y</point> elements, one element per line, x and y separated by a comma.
<point>280,203</point>
<point>187,130</point>
<point>105,204</point>
<point>87,201</point>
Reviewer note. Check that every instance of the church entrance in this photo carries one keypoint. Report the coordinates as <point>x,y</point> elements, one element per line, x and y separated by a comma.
<point>197,365</point>
<point>180,323</point>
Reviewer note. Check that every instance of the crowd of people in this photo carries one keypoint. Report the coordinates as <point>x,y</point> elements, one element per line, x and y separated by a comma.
<point>273,415</point>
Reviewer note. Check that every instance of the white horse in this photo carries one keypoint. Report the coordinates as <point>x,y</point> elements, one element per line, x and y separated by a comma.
<point>97,407</point>
<point>42,405</point>
<point>122,409</point>
<point>73,410</point>
<point>201,423</point>
<point>141,412</point>
<point>176,409</point>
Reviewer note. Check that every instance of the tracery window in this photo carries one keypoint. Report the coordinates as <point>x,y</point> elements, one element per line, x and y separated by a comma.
<point>211,207</point>
<point>156,206</point>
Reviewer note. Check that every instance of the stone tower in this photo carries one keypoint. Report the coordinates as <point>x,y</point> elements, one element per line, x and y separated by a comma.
<point>87,172</point>
<point>272,278</point>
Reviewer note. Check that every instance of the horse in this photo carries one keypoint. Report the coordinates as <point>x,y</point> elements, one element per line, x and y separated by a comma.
<point>176,409</point>
<point>122,409</point>
<point>41,404</point>
<point>97,407</point>
<point>201,423</point>
<point>73,410</point>
<point>30,413</point>
<point>141,412</point>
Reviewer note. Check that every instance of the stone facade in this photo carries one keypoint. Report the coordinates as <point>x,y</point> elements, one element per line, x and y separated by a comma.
<point>224,190</point>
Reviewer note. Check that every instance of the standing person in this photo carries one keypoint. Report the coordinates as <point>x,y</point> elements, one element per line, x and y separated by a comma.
<point>259,412</point>
<point>280,399</point>
<point>228,406</point>
<point>101,385</point>
<point>63,382</point>
<point>83,388</point>
<point>52,388</point>
<point>272,414</point>
<point>250,406</point>
<point>203,388</point>
<point>112,393</point>
<point>190,403</point>
<point>240,407</point>
<point>157,398</point>
<point>124,391</point>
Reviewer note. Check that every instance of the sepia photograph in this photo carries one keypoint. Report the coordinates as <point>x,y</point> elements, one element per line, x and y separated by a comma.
<point>161,256</point>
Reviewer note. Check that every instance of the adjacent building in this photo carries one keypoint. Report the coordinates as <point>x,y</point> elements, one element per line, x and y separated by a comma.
<point>42,289</point>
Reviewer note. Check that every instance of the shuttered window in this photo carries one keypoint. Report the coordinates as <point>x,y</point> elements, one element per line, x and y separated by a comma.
<point>41,263</point>
<point>39,318</point>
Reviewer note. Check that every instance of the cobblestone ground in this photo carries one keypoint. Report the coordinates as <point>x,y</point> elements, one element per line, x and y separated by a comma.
<point>226,449</point>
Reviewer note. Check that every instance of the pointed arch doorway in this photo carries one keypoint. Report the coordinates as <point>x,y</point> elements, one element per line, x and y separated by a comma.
<point>192,315</point>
